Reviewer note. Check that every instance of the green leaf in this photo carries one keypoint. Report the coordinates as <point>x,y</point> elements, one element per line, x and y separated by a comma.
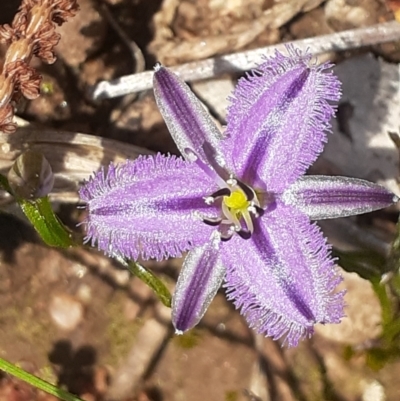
<point>148,278</point>
<point>385,302</point>
<point>40,213</point>
<point>395,284</point>
<point>46,223</point>
<point>391,331</point>
<point>36,381</point>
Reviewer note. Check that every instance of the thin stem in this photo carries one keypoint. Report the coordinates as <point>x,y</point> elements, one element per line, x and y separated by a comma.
<point>36,381</point>
<point>243,61</point>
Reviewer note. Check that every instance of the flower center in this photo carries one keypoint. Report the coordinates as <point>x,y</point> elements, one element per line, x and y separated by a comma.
<point>236,201</point>
<point>239,207</point>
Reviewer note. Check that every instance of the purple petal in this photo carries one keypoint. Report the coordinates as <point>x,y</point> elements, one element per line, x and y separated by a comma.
<point>277,119</point>
<point>190,125</point>
<point>201,277</point>
<point>325,197</point>
<point>283,278</point>
<point>148,207</point>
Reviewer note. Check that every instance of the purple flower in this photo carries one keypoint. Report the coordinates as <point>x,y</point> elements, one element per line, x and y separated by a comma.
<point>239,201</point>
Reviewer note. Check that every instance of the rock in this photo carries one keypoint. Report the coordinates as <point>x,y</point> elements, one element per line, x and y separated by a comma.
<point>368,110</point>
<point>65,311</point>
<point>310,24</point>
<point>373,391</point>
<point>343,14</point>
<point>362,322</point>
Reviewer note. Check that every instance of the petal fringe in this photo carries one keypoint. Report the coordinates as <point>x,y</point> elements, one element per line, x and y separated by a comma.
<point>277,119</point>
<point>283,278</point>
<point>149,207</point>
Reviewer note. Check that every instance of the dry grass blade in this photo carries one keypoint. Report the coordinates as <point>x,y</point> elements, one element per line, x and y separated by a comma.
<point>72,156</point>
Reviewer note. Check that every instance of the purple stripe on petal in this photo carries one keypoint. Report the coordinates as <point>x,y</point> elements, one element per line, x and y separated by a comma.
<point>326,197</point>
<point>283,278</point>
<point>277,119</point>
<point>190,125</point>
<point>148,207</point>
<point>201,277</point>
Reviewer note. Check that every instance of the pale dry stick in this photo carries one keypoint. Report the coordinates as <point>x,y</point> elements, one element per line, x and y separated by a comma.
<point>243,61</point>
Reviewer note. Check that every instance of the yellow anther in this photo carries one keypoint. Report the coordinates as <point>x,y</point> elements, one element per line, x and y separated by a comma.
<point>236,201</point>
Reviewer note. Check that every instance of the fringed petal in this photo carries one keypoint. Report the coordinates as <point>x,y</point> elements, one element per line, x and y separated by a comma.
<point>278,118</point>
<point>325,197</point>
<point>201,277</point>
<point>283,278</point>
<point>150,207</point>
<point>189,123</point>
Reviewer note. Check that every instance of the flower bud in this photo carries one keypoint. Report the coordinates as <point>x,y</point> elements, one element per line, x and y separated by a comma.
<point>31,176</point>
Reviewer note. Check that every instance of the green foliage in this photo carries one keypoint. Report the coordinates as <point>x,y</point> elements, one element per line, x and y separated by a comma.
<point>36,381</point>
<point>383,272</point>
<point>52,231</point>
<point>40,213</point>
<point>46,223</point>
<point>148,278</point>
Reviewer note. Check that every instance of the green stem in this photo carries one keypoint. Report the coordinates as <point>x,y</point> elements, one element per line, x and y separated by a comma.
<point>147,277</point>
<point>36,381</point>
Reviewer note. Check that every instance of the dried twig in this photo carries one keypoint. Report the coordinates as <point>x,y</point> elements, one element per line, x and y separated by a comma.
<point>32,32</point>
<point>243,61</point>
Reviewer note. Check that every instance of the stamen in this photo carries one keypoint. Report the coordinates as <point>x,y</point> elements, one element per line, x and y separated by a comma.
<point>231,181</point>
<point>249,192</point>
<point>257,211</point>
<point>225,238</point>
<point>212,221</point>
<point>221,192</point>
<point>260,211</point>
<point>240,203</point>
<point>232,217</point>
<point>244,234</point>
<point>209,200</point>
<point>249,222</point>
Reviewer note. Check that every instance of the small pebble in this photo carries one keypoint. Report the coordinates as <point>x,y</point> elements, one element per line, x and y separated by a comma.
<point>65,311</point>
<point>374,391</point>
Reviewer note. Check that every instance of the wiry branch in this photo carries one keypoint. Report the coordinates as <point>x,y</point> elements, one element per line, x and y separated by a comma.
<point>248,59</point>
<point>32,33</point>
